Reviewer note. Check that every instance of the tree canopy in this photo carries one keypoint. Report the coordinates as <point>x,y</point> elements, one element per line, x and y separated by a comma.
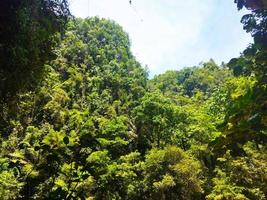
<point>27,36</point>
<point>82,120</point>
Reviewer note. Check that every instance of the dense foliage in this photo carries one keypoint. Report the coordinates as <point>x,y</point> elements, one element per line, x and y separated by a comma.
<point>95,127</point>
<point>27,35</point>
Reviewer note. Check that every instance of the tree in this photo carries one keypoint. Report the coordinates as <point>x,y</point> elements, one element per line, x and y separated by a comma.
<point>156,119</point>
<point>242,177</point>
<point>188,81</point>
<point>76,123</point>
<point>27,37</point>
<point>247,117</point>
<point>170,173</point>
<point>251,4</point>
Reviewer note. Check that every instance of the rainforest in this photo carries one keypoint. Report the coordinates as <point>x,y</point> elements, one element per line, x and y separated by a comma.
<point>80,118</point>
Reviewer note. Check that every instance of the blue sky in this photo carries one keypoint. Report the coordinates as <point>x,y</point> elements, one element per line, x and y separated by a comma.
<point>172,34</point>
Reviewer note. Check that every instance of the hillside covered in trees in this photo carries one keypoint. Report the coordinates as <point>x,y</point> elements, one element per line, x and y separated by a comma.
<point>94,126</point>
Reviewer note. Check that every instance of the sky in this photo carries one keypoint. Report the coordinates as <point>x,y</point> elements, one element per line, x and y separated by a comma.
<point>172,34</point>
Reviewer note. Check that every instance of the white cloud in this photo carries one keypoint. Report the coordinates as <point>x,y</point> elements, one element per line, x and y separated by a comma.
<point>164,34</point>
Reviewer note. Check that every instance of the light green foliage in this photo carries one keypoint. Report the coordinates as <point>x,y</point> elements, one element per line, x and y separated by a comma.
<point>156,119</point>
<point>10,186</point>
<point>123,178</point>
<point>189,81</point>
<point>74,127</point>
<point>97,128</point>
<point>243,177</point>
<point>170,174</point>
